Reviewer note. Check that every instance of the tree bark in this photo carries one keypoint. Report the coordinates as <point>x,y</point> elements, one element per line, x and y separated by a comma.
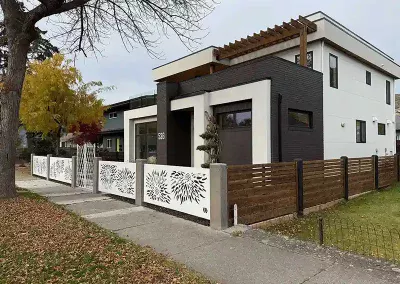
<point>10,97</point>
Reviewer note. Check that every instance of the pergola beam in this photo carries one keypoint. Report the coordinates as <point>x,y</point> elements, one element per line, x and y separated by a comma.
<point>286,31</point>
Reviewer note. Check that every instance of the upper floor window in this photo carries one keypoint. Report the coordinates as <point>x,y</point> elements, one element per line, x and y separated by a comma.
<point>300,118</point>
<point>112,115</point>
<point>109,143</point>
<point>333,71</point>
<point>388,92</point>
<point>361,131</point>
<point>381,129</point>
<point>309,59</point>
<point>368,78</point>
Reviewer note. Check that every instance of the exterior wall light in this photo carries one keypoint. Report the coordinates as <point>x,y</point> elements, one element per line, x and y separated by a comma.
<point>342,124</point>
<point>374,119</point>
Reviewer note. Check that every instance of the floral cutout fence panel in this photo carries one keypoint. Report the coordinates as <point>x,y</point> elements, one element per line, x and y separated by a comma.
<point>118,178</point>
<point>61,169</point>
<point>182,189</point>
<point>40,166</point>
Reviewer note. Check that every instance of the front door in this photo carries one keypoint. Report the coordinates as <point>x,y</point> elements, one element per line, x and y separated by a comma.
<point>235,132</point>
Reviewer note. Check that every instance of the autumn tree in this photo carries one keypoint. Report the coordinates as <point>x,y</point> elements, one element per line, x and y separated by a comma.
<point>86,132</point>
<point>54,98</point>
<point>83,24</point>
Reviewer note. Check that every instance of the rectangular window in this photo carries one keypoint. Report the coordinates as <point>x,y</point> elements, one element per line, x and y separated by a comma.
<point>146,140</point>
<point>368,78</point>
<point>300,118</point>
<point>381,129</point>
<point>112,115</point>
<point>109,143</point>
<point>361,129</point>
<point>333,71</point>
<point>309,59</point>
<point>235,119</point>
<point>388,93</point>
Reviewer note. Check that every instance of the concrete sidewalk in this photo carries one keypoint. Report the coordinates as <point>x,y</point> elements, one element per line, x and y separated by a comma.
<point>218,255</point>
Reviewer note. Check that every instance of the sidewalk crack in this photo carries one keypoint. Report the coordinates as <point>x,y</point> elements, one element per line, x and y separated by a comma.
<point>309,278</point>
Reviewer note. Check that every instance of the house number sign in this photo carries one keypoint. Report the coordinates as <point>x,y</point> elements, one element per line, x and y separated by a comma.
<point>161,135</point>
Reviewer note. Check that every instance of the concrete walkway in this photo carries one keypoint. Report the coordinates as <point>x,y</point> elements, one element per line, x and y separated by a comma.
<point>218,255</point>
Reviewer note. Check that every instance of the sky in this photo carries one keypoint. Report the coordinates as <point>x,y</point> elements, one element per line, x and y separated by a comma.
<point>130,72</point>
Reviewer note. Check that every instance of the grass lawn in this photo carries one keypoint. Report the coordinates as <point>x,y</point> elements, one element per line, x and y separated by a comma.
<point>43,243</point>
<point>368,225</point>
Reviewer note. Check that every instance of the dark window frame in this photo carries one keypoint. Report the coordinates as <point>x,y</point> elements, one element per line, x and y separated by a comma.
<point>146,136</point>
<point>298,127</point>
<point>388,93</point>
<point>368,78</point>
<point>297,59</point>
<point>363,131</point>
<point>380,132</point>
<point>234,113</point>
<point>112,115</point>
<point>335,74</point>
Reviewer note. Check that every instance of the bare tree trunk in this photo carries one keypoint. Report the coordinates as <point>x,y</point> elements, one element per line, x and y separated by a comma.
<point>10,98</point>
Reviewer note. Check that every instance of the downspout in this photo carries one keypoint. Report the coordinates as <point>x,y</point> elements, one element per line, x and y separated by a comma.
<point>280,127</point>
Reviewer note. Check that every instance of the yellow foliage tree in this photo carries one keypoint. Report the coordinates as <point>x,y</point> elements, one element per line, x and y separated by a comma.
<point>54,98</point>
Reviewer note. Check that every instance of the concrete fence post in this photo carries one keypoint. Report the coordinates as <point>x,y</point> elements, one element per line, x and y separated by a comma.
<point>48,166</point>
<point>32,155</point>
<point>96,174</point>
<point>74,171</point>
<point>345,165</point>
<point>219,196</point>
<point>140,181</point>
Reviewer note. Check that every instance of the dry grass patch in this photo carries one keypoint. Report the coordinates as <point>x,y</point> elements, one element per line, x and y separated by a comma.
<point>42,242</point>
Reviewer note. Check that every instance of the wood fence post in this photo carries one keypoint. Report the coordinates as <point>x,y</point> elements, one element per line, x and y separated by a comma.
<point>397,161</point>
<point>375,163</point>
<point>345,165</point>
<point>299,182</point>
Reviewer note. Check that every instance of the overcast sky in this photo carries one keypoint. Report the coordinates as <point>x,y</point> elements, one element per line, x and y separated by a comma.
<point>375,21</point>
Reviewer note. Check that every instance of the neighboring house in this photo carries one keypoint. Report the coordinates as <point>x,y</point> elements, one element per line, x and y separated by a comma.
<point>268,107</point>
<point>112,133</point>
<point>67,141</point>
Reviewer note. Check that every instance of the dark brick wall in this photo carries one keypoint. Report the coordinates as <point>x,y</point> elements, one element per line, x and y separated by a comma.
<point>300,87</point>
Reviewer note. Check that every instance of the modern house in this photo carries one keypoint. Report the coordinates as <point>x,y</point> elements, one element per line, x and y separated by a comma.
<point>308,88</point>
<point>112,133</point>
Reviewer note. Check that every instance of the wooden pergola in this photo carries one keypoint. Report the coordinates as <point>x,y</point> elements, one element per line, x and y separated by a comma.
<point>286,31</point>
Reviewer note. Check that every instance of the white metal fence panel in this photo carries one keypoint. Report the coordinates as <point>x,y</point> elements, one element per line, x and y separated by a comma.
<point>182,189</point>
<point>118,178</point>
<point>40,166</point>
<point>61,169</point>
<point>85,160</point>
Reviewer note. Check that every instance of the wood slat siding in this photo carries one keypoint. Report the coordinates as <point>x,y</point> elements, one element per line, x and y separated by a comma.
<point>361,175</point>
<point>323,181</point>
<point>387,171</point>
<point>262,192</point>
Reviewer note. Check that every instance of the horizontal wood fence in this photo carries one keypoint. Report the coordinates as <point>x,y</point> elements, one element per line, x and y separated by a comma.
<point>361,175</point>
<point>262,191</point>
<point>322,181</point>
<point>387,170</point>
<point>266,191</point>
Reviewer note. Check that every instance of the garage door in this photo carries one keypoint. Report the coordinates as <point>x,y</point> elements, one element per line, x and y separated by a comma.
<point>235,134</point>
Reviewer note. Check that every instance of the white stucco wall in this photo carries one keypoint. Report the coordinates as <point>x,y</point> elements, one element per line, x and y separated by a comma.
<point>355,100</point>
<point>258,92</point>
<point>132,117</point>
